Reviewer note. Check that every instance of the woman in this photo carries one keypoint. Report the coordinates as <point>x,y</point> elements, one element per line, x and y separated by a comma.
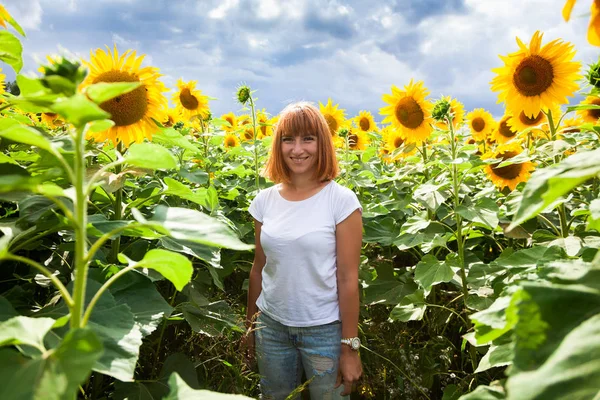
<point>304,280</point>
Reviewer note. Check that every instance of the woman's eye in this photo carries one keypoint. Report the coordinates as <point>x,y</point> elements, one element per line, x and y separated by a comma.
<point>286,139</point>
<point>309,138</point>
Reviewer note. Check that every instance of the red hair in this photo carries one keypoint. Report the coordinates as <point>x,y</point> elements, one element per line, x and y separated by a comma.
<point>302,119</point>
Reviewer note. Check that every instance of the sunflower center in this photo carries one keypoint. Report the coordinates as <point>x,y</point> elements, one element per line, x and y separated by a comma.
<point>263,130</point>
<point>332,124</point>
<point>510,171</point>
<point>478,124</point>
<point>51,115</point>
<point>230,142</point>
<point>398,142</point>
<point>530,121</point>
<point>249,134</point>
<point>188,100</point>
<point>127,108</point>
<point>533,76</point>
<point>594,113</point>
<point>364,124</point>
<point>409,113</point>
<point>505,130</point>
<point>230,120</point>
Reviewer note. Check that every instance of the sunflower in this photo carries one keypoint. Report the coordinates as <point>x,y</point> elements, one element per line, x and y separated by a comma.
<point>523,122</point>
<point>409,112</point>
<point>395,140</point>
<point>132,112</point>
<point>247,132</point>
<point>229,117</point>
<point>458,114</point>
<point>593,33</point>
<point>333,115</point>
<point>537,77</point>
<point>52,120</point>
<point>593,114</point>
<point>510,175</point>
<point>265,124</point>
<point>189,101</point>
<point>365,122</point>
<point>2,82</point>
<point>481,123</point>
<point>357,139</point>
<point>172,116</point>
<point>230,140</point>
<point>503,132</point>
<point>571,125</point>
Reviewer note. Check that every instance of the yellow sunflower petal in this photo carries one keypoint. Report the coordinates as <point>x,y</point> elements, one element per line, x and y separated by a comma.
<point>189,101</point>
<point>508,176</point>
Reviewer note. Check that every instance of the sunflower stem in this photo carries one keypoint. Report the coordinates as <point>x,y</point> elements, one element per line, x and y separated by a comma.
<point>118,215</point>
<point>80,226</point>
<point>255,143</point>
<point>347,151</point>
<point>562,211</point>
<point>205,141</point>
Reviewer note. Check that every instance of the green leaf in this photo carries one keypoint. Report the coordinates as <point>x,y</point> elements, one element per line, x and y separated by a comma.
<point>483,213</point>
<point>571,372</point>
<point>151,156</point>
<point>594,219</point>
<point>22,330</point>
<point>388,291</point>
<point>179,390</point>
<point>211,320</point>
<point>485,393</point>
<point>179,189</point>
<point>430,271</point>
<point>104,91</point>
<point>170,137</point>
<point>7,311</point>
<point>192,225</point>
<point>78,110</point>
<point>548,184</point>
<point>430,195</point>
<point>381,230</point>
<point>15,131</point>
<point>173,266</point>
<point>11,50</point>
<point>18,183</point>
<point>30,86</point>
<point>55,376</point>
<point>410,308</point>
<point>100,125</point>
<point>4,159</point>
<point>496,356</point>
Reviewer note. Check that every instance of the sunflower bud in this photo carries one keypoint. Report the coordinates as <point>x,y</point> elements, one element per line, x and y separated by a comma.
<point>178,125</point>
<point>62,76</point>
<point>343,132</point>
<point>441,110</point>
<point>243,94</point>
<point>593,75</point>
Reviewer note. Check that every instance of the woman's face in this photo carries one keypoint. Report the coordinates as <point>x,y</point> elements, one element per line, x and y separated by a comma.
<point>300,153</point>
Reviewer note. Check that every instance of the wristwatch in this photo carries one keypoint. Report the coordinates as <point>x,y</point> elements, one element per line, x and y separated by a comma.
<point>354,343</point>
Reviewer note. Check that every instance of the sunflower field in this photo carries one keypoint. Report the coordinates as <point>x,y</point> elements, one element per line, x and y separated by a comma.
<point>125,241</point>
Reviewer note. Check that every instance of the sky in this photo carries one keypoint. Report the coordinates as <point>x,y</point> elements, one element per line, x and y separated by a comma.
<point>290,50</point>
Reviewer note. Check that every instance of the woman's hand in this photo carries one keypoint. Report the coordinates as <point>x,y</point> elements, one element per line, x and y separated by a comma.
<point>247,348</point>
<point>349,371</point>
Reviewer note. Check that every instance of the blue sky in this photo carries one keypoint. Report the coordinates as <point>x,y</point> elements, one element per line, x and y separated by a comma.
<point>351,51</point>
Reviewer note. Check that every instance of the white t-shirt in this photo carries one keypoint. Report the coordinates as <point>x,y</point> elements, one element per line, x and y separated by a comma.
<point>299,282</point>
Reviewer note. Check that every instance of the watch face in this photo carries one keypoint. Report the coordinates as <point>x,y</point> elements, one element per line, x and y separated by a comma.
<point>355,343</point>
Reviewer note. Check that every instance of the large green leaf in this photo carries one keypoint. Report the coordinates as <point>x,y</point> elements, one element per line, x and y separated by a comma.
<point>151,156</point>
<point>388,291</point>
<point>485,393</point>
<point>173,266</point>
<point>496,356</point>
<point>55,376</point>
<point>548,184</point>
<point>430,271</point>
<point>211,320</point>
<point>78,110</point>
<point>104,91</point>
<point>192,225</point>
<point>181,391</point>
<point>381,230</point>
<point>36,184</point>
<point>410,308</point>
<point>22,330</point>
<point>431,196</point>
<point>571,372</point>
<point>179,189</point>
<point>483,213</point>
<point>11,50</point>
<point>15,131</point>
<point>7,311</point>
<point>170,137</point>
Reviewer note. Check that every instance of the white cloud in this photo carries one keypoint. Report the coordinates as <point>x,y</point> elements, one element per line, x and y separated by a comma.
<point>28,13</point>
<point>221,11</point>
<point>268,9</point>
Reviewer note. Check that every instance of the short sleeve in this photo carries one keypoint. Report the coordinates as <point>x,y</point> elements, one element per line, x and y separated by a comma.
<point>346,204</point>
<point>256,207</point>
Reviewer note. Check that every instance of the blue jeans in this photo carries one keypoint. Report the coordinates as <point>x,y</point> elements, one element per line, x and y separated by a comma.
<point>282,352</point>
